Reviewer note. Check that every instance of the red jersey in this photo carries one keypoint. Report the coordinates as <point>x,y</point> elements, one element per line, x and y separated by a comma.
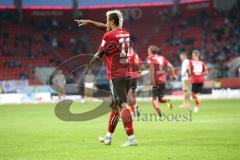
<point>115,44</point>
<point>133,68</point>
<point>160,68</point>
<point>197,69</point>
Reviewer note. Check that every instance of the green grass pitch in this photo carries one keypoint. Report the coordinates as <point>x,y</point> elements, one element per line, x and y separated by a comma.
<point>32,131</point>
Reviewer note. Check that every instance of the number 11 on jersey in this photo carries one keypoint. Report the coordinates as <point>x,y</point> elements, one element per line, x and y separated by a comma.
<point>124,42</point>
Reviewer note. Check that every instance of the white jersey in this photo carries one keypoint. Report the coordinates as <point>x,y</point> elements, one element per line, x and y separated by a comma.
<point>184,71</point>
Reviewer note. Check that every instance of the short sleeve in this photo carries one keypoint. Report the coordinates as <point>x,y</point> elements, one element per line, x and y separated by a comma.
<point>104,42</point>
<point>165,62</point>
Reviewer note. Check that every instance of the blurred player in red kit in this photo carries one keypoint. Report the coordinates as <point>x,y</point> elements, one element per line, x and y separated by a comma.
<point>134,72</point>
<point>113,51</point>
<point>158,68</point>
<point>198,70</point>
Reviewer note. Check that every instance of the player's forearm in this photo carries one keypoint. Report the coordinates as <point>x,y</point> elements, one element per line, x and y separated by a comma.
<point>95,58</point>
<point>97,55</point>
<point>100,53</point>
<point>174,76</point>
<point>98,25</point>
<point>172,71</point>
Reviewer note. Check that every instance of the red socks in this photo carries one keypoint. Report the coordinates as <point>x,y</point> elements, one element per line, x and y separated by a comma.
<point>162,100</point>
<point>197,101</point>
<point>113,121</point>
<point>127,121</point>
<point>156,106</point>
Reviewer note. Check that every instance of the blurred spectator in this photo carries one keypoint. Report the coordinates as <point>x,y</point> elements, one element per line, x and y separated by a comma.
<point>55,43</point>
<point>13,64</point>
<point>89,84</point>
<point>23,76</point>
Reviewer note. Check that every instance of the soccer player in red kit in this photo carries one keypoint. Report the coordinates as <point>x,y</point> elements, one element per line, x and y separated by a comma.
<point>158,68</point>
<point>134,67</point>
<point>113,51</point>
<point>198,70</point>
<point>134,72</point>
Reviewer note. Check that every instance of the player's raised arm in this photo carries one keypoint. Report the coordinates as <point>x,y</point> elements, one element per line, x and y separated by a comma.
<point>98,25</point>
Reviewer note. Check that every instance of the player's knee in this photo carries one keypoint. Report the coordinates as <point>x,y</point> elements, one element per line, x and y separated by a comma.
<point>114,106</point>
<point>194,96</point>
<point>134,91</point>
<point>124,105</point>
<point>154,98</point>
<point>186,93</point>
<point>124,108</point>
